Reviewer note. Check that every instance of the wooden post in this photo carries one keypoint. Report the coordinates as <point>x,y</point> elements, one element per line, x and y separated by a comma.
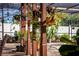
<point>23,24</point>
<point>43,43</point>
<point>34,48</point>
<point>28,40</point>
<point>2,43</point>
<point>34,42</point>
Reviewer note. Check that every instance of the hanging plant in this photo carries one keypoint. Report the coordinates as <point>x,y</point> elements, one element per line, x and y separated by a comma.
<point>17,17</point>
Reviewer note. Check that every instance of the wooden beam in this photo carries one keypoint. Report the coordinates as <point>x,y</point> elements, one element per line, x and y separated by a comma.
<point>23,25</point>
<point>34,42</point>
<point>43,42</point>
<point>28,40</point>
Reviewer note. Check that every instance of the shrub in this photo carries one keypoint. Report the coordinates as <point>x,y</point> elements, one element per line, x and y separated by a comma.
<point>65,38</point>
<point>77,33</point>
<point>69,50</point>
<point>77,37</point>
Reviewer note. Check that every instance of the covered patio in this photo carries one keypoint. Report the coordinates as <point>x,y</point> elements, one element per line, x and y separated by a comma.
<point>36,16</point>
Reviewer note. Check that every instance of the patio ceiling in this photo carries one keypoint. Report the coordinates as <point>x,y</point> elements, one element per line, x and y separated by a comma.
<point>10,5</point>
<point>66,7</point>
<point>11,9</point>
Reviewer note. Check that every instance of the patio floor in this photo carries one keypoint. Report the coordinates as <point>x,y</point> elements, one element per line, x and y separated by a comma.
<point>9,49</point>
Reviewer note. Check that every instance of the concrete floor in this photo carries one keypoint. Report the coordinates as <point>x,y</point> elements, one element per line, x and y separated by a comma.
<point>9,49</point>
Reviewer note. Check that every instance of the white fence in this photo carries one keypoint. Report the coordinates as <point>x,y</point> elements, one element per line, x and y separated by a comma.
<point>67,29</point>
<point>11,28</point>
